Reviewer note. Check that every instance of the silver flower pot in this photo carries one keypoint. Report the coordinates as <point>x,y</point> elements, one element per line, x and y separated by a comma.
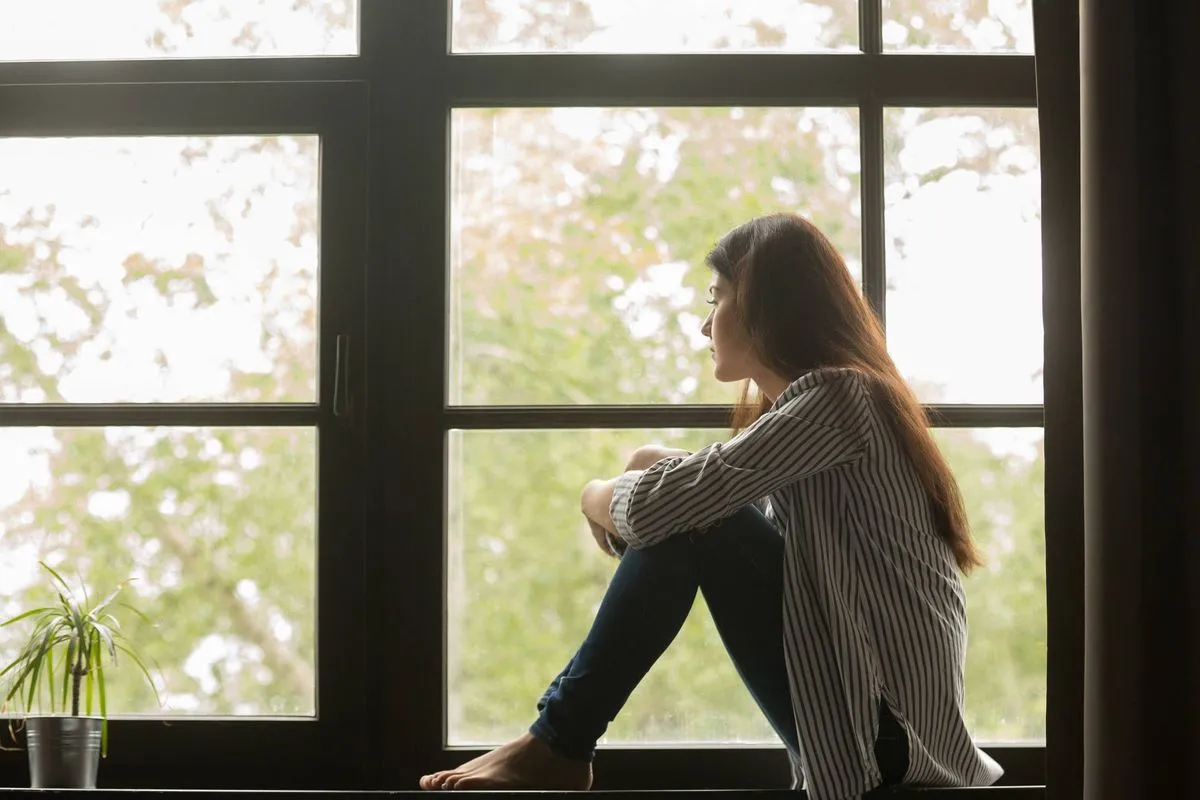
<point>64,752</point>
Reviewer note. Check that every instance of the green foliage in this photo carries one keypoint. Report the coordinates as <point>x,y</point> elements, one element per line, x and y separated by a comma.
<point>72,636</point>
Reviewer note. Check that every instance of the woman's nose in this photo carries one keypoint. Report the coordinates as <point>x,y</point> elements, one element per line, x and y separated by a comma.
<point>706,328</point>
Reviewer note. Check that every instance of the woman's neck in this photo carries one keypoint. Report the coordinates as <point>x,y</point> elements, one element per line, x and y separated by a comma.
<point>771,385</point>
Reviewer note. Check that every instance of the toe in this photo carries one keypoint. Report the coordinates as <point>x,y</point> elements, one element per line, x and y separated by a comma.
<point>485,782</point>
<point>434,781</point>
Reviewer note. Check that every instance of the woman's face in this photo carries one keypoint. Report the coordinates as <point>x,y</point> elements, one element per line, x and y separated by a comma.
<point>732,352</point>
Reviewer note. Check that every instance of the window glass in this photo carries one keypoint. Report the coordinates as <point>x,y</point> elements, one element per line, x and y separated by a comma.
<point>217,529</point>
<point>578,239</point>
<point>978,26</point>
<point>525,579</point>
<point>92,30</point>
<point>159,269</point>
<point>964,259</point>
<point>663,26</point>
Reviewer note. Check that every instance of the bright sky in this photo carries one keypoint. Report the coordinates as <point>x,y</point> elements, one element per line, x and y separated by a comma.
<point>966,311</point>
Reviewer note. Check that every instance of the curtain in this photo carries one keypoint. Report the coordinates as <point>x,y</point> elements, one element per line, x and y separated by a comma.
<point>1140,280</point>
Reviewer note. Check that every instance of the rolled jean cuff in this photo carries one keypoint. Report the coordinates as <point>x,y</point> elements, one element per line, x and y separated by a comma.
<point>543,730</point>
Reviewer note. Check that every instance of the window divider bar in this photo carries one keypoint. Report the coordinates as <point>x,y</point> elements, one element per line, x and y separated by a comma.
<point>182,70</point>
<point>874,266</point>
<point>136,414</point>
<point>734,79</point>
<point>870,26</point>
<point>697,416</point>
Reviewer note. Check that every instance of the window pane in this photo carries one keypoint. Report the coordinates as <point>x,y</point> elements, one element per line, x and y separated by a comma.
<point>664,26</point>
<point>963,214</point>
<point>525,579</point>
<point>579,235</point>
<point>88,30</point>
<point>982,26</point>
<point>159,269</point>
<point>216,526</point>
<point>1001,473</point>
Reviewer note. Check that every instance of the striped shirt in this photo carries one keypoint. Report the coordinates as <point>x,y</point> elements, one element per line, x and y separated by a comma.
<point>873,603</point>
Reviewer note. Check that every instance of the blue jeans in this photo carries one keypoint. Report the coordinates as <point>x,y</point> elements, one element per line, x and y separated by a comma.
<point>738,565</point>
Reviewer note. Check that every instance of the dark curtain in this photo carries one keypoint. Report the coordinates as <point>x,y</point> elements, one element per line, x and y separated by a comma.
<point>1121,252</point>
<point>1140,271</point>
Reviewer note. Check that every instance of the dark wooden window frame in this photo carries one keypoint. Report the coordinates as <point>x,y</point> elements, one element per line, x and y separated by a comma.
<point>381,610</point>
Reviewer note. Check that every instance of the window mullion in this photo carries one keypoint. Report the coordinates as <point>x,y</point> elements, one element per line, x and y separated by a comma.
<point>874,269</point>
<point>870,26</point>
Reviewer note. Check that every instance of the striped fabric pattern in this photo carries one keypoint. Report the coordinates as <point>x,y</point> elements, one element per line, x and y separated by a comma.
<point>873,602</point>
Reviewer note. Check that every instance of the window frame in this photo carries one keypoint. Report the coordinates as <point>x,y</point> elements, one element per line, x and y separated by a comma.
<point>384,726</point>
<point>227,751</point>
<point>419,414</point>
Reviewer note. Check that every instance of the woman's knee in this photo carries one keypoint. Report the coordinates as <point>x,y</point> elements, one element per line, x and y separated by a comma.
<point>648,455</point>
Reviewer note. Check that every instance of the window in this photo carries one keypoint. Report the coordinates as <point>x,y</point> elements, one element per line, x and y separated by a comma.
<point>173,300</point>
<point>316,314</point>
<point>576,274</point>
<point>576,238</point>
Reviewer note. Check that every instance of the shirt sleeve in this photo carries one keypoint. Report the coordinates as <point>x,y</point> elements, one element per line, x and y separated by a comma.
<point>823,422</point>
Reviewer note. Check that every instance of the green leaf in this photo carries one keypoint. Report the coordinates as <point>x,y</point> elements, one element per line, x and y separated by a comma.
<point>95,612</point>
<point>32,659</point>
<point>33,680</point>
<point>50,676</point>
<point>71,610</point>
<point>137,660</point>
<point>91,675</point>
<point>26,615</point>
<point>57,577</point>
<point>135,611</point>
<point>98,669</point>
<point>66,676</point>
<point>105,636</point>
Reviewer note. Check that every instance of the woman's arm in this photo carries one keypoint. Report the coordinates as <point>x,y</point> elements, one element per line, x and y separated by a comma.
<point>822,421</point>
<point>597,494</point>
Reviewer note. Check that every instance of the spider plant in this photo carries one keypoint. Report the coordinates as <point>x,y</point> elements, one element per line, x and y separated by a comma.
<point>66,654</point>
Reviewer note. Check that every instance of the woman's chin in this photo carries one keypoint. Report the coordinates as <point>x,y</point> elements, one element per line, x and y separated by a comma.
<point>722,376</point>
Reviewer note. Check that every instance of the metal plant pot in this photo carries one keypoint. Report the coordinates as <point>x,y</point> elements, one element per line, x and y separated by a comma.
<point>64,752</point>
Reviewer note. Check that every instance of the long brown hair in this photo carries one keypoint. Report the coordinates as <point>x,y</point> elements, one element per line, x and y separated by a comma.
<point>802,311</point>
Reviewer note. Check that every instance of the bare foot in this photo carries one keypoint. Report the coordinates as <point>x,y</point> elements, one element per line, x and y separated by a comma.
<point>434,781</point>
<point>524,763</point>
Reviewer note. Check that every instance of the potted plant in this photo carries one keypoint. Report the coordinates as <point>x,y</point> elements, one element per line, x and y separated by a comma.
<point>63,661</point>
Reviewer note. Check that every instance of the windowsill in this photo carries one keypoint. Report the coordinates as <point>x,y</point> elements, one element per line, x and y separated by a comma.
<point>974,793</point>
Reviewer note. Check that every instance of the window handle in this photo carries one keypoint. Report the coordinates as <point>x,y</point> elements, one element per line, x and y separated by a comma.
<point>343,403</point>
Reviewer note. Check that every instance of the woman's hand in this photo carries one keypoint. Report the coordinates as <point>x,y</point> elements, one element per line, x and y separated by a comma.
<point>595,501</point>
<point>603,541</point>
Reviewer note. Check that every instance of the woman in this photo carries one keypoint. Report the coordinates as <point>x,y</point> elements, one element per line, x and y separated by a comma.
<point>827,537</point>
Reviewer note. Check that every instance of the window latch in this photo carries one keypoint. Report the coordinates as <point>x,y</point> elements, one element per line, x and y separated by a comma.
<point>343,403</point>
